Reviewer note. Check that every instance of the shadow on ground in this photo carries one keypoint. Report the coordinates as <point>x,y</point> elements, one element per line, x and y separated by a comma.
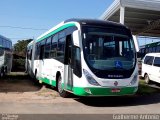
<point>120,100</point>
<point>147,94</point>
<point>18,82</point>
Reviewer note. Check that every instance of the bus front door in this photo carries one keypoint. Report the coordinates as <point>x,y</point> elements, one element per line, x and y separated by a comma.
<point>68,80</point>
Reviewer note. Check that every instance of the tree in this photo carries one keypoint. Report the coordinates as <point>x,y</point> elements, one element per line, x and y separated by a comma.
<point>20,47</point>
<point>19,54</point>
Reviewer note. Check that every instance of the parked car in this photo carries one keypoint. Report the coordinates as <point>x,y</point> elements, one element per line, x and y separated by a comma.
<point>151,67</point>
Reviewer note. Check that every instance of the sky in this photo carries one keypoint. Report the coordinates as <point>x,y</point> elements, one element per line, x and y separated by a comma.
<point>28,19</point>
<point>41,15</point>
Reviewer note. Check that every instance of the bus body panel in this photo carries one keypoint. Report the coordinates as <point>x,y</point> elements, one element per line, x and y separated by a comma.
<point>5,55</point>
<point>47,70</point>
<point>83,88</point>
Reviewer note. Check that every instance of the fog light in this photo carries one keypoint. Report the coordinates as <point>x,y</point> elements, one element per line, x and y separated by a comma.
<point>87,90</point>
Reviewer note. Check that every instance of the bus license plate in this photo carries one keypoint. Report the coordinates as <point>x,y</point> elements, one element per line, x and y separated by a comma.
<point>115,90</point>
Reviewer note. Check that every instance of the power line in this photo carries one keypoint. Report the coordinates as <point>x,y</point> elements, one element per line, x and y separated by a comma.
<point>14,27</point>
<point>21,38</point>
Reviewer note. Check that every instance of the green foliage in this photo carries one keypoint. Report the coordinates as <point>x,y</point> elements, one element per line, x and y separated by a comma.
<point>20,47</point>
<point>145,89</point>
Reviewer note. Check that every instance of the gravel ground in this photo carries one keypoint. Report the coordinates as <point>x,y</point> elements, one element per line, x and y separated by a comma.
<point>19,87</point>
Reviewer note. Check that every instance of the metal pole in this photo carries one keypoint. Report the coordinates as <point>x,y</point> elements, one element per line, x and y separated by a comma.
<point>122,13</point>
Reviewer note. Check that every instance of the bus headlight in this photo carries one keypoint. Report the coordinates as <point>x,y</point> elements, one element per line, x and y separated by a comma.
<point>134,80</point>
<point>90,79</point>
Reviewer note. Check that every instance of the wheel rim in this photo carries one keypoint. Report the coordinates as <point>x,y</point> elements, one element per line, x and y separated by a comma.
<point>146,78</point>
<point>60,90</point>
<point>1,74</point>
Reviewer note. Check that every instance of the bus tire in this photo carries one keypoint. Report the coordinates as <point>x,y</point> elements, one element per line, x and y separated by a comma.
<point>61,91</point>
<point>2,72</point>
<point>146,78</point>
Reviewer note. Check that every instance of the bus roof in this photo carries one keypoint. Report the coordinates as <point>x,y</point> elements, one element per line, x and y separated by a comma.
<point>95,22</point>
<point>5,38</point>
<point>71,22</point>
<point>152,44</point>
<point>30,43</point>
<point>153,54</point>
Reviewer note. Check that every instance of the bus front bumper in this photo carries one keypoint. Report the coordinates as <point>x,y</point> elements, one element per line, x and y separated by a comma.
<point>94,91</point>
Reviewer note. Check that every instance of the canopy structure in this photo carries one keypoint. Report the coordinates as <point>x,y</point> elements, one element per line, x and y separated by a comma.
<point>141,16</point>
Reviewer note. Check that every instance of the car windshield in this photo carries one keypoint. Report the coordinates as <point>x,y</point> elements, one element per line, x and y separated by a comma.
<point>108,48</point>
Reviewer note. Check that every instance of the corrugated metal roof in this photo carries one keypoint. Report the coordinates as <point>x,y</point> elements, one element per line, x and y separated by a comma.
<point>141,16</point>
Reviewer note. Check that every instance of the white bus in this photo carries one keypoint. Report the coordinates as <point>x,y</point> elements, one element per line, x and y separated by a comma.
<point>86,58</point>
<point>29,59</point>
<point>5,55</point>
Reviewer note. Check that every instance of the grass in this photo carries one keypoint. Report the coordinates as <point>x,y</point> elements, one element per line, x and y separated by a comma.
<point>145,89</point>
<point>47,92</point>
<point>18,74</point>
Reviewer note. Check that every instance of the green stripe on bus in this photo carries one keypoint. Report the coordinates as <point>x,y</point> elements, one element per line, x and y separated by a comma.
<point>103,91</point>
<point>47,81</point>
<point>55,31</point>
<point>53,83</point>
<point>95,91</point>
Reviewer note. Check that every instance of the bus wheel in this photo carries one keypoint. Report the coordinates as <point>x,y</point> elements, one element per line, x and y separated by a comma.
<point>61,91</point>
<point>1,73</point>
<point>146,78</point>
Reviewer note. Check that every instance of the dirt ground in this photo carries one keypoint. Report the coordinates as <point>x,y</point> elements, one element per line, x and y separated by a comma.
<point>19,87</point>
<point>20,95</point>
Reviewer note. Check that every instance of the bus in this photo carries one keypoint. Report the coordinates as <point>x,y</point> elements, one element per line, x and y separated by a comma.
<point>149,48</point>
<point>29,59</point>
<point>5,55</point>
<point>85,57</point>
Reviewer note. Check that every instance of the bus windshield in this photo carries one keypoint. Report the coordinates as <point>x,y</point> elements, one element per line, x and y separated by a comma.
<point>108,48</point>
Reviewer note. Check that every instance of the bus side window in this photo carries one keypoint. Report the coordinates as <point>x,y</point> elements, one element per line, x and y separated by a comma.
<point>53,52</point>
<point>60,50</point>
<point>42,47</point>
<point>158,49</point>
<point>41,52</point>
<point>30,55</point>
<point>47,47</point>
<point>61,46</point>
<point>37,51</point>
<point>10,45</point>
<point>1,42</point>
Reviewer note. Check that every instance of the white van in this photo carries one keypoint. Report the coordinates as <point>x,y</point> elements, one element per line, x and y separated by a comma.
<point>151,67</point>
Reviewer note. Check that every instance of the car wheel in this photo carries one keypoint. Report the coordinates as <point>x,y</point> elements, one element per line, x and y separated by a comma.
<point>146,78</point>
